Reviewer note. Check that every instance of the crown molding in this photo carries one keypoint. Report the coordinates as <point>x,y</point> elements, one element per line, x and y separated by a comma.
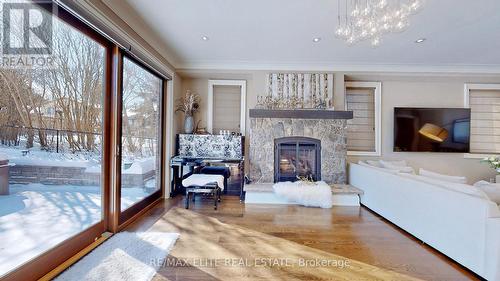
<point>341,67</point>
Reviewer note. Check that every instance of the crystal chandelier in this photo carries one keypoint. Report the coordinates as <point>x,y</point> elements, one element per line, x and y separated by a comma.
<point>369,20</point>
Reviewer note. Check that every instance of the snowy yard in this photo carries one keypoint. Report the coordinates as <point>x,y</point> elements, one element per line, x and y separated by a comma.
<point>36,217</point>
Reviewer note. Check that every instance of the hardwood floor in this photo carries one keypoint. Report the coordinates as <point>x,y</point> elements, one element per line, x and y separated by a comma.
<point>351,232</point>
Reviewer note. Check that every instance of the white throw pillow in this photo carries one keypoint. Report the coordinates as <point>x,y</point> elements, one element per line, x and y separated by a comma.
<point>362,163</point>
<point>455,179</point>
<point>374,163</point>
<point>491,190</point>
<point>401,169</point>
<point>399,163</point>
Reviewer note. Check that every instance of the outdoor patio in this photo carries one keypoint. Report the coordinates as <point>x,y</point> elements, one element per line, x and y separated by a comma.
<point>36,217</point>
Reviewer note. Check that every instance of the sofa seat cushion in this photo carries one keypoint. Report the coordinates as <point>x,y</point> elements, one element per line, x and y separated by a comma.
<point>437,176</point>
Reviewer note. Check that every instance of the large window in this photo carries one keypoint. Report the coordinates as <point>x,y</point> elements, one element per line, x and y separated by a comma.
<point>63,182</point>
<point>484,102</point>
<point>51,145</point>
<point>140,151</point>
<point>226,106</point>
<point>364,130</point>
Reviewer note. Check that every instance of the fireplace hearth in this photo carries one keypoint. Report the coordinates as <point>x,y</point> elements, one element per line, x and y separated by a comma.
<point>297,157</point>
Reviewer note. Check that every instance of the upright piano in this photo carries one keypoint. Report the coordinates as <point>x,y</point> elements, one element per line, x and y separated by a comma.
<point>196,151</point>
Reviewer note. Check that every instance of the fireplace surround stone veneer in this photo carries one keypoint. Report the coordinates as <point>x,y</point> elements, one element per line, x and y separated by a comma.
<point>331,133</point>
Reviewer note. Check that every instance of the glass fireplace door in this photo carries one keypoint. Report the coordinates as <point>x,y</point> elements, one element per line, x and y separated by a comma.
<point>306,160</point>
<point>288,162</point>
<point>297,157</point>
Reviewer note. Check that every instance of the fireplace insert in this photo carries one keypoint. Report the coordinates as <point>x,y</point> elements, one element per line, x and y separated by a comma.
<point>297,157</point>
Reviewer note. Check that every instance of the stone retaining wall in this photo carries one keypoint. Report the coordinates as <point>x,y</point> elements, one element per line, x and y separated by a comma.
<point>53,175</point>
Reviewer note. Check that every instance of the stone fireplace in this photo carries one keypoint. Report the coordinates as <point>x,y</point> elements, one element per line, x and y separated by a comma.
<point>297,157</point>
<point>287,143</point>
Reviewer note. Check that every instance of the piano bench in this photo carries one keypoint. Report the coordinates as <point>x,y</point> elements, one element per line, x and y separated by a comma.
<point>217,170</point>
<point>205,184</point>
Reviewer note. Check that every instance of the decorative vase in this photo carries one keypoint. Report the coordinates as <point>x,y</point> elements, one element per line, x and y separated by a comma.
<point>188,124</point>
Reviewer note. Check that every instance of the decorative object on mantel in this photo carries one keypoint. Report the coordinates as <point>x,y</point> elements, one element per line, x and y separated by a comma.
<point>300,114</point>
<point>369,20</point>
<point>189,104</point>
<point>297,91</point>
<point>494,163</point>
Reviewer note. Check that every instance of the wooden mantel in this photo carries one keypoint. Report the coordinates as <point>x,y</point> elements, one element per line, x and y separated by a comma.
<point>300,113</point>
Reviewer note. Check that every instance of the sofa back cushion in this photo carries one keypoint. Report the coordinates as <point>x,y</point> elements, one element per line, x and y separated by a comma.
<point>453,179</point>
<point>390,171</point>
<point>401,169</point>
<point>491,190</point>
<point>374,163</point>
<point>457,187</point>
<point>399,163</point>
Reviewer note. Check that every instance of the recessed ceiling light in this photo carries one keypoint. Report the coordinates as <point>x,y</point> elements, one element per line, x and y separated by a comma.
<point>204,38</point>
<point>420,40</point>
<point>316,40</point>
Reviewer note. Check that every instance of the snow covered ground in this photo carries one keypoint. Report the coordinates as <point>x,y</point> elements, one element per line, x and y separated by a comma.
<point>91,161</point>
<point>37,157</point>
<point>36,217</point>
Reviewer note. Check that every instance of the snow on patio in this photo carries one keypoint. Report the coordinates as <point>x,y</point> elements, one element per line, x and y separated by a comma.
<point>36,217</point>
<point>37,157</point>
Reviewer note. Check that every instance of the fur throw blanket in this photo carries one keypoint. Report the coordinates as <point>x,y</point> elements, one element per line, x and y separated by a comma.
<point>318,194</point>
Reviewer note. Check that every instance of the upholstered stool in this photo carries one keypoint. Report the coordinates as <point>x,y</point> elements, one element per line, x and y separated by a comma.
<point>207,184</point>
<point>217,170</point>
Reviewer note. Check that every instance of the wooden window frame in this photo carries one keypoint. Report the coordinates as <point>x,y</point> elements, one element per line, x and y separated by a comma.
<point>377,87</point>
<point>210,101</point>
<point>131,213</point>
<point>112,218</point>
<point>467,88</point>
<point>40,265</point>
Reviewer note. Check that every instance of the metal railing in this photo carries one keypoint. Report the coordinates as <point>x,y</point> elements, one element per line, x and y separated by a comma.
<point>51,139</point>
<point>62,141</point>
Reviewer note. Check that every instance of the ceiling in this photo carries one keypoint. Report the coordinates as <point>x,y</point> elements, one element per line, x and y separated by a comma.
<point>462,35</point>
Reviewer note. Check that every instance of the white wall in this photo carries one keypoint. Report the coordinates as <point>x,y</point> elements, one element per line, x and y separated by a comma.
<point>408,90</point>
<point>199,86</point>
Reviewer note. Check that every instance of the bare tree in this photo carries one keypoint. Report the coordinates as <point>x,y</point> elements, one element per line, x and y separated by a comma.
<point>76,86</point>
<point>140,108</point>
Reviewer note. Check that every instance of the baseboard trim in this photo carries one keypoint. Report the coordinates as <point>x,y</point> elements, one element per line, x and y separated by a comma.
<point>69,262</point>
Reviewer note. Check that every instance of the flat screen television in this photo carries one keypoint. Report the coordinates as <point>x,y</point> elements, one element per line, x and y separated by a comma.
<point>431,129</point>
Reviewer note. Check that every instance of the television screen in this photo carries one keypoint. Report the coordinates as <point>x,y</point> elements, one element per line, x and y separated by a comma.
<point>431,129</point>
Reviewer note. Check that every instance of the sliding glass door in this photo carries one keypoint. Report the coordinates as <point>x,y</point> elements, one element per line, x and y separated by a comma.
<point>141,110</point>
<point>80,139</point>
<point>51,140</point>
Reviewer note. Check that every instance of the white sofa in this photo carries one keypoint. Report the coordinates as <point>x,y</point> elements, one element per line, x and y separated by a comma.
<point>463,227</point>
